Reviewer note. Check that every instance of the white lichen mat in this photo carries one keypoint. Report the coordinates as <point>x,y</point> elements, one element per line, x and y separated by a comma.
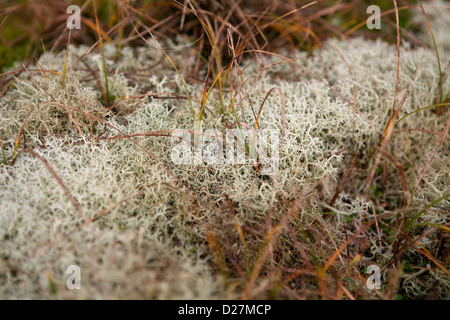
<point>150,215</point>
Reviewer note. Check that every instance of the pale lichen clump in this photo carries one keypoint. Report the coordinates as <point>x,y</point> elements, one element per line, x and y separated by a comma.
<point>152,244</point>
<point>437,14</point>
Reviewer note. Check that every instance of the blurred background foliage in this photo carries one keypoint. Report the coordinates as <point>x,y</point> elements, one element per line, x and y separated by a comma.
<point>29,27</point>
